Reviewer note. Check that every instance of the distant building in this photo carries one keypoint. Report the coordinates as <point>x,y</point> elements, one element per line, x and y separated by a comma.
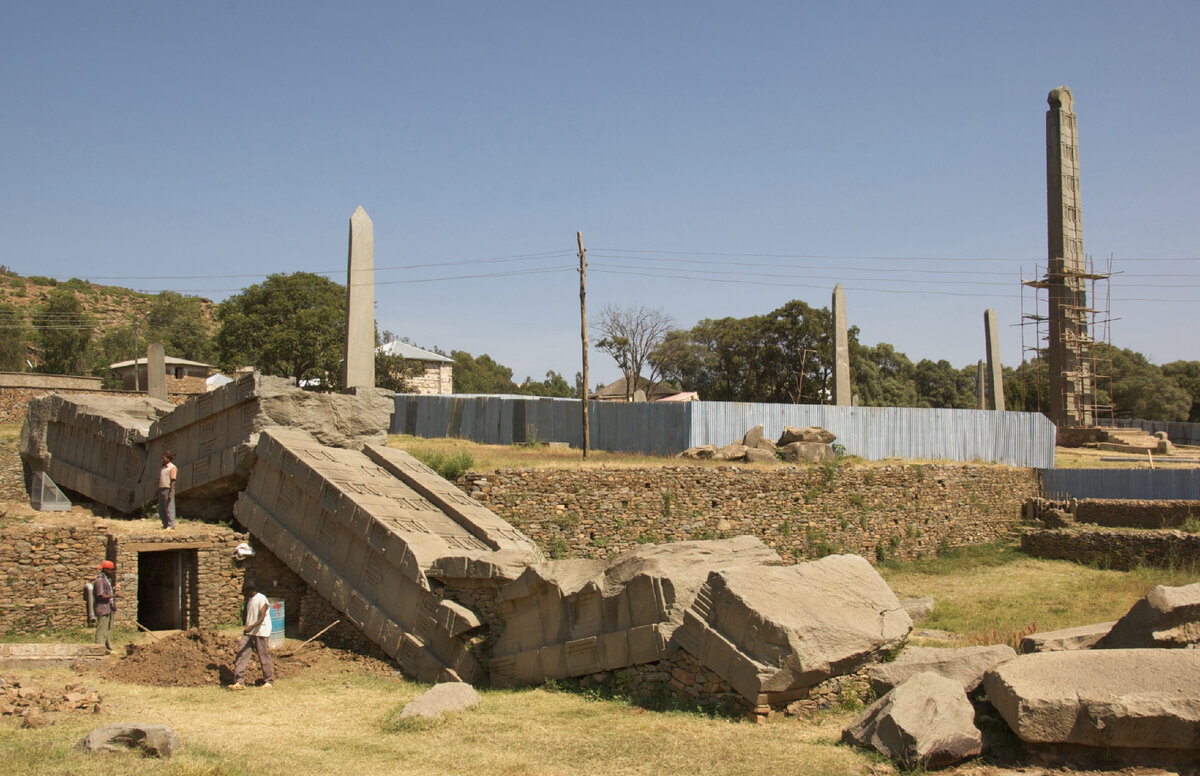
<point>438,374</point>
<point>616,391</point>
<point>183,376</point>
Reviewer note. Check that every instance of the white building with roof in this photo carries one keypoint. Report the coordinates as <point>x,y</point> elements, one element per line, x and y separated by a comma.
<point>438,374</point>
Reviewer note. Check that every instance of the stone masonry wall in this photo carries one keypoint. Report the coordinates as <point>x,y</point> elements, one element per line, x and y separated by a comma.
<point>899,510</point>
<point>42,574</point>
<point>212,594</point>
<point>43,570</point>
<point>1115,549</point>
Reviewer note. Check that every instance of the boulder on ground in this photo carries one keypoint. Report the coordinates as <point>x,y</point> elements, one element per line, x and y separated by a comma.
<point>773,632</point>
<point>926,721</point>
<point>813,434</point>
<point>733,452</point>
<point>1112,698</point>
<point>918,608</point>
<point>444,698</point>
<point>701,453</point>
<point>1166,617</point>
<point>1066,639</point>
<point>806,451</point>
<point>965,665</point>
<point>753,436</point>
<point>758,455</point>
<point>156,740</point>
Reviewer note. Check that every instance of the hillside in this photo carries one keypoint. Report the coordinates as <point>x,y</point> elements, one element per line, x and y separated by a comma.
<point>111,306</point>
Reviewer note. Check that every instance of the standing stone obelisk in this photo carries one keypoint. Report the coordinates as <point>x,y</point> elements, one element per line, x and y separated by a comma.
<point>1071,381</point>
<point>995,372</point>
<point>360,304</point>
<point>841,349</point>
<point>156,371</point>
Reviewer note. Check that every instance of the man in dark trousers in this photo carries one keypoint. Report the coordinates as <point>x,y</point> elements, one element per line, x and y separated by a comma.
<point>255,636</point>
<point>104,597</point>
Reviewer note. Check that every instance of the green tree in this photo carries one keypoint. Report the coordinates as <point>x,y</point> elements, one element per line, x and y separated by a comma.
<point>554,385</point>
<point>288,325</point>
<point>940,385</point>
<point>1186,374</point>
<point>14,339</point>
<point>480,375</point>
<point>1141,391</point>
<point>65,334</point>
<point>883,377</point>
<point>178,322</point>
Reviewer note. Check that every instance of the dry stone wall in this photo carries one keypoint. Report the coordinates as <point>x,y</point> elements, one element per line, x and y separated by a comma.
<point>43,570</point>
<point>900,510</point>
<point>42,573</point>
<point>1115,548</point>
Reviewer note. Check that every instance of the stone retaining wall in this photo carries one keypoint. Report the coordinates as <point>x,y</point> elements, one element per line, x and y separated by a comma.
<point>1115,549</point>
<point>42,574</point>
<point>1133,513</point>
<point>899,510</point>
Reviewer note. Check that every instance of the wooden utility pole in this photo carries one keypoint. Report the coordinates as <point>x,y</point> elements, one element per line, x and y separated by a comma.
<point>587,437</point>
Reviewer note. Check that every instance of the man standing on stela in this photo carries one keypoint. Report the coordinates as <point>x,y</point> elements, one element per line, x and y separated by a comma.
<point>166,491</point>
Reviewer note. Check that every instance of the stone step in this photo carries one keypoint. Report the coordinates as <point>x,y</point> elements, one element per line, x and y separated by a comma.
<point>42,655</point>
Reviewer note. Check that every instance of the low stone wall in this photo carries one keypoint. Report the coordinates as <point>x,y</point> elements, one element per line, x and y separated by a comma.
<point>1115,549</point>
<point>42,574</point>
<point>1132,513</point>
<point>901,510</point>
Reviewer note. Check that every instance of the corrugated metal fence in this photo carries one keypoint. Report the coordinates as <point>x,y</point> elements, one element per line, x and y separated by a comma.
<point>1179,433</point>
<point>666,428</point>
<point>1147,484</point>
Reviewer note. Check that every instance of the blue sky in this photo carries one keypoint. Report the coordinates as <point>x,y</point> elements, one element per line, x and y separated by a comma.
<point>720,159</point>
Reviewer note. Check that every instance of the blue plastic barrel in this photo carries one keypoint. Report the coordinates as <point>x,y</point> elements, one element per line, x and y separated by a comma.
<point>277,622</point>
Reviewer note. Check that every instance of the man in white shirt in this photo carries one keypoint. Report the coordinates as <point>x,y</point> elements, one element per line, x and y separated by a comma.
<point>166,491</point>
<point>256,637</point>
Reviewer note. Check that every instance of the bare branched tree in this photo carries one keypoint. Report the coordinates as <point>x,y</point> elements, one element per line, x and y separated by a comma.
<point>633,336</point>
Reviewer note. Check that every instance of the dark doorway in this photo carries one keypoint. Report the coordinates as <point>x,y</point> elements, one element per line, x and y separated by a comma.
<point>164,579</point>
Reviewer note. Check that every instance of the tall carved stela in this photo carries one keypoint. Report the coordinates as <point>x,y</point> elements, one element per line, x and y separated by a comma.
<point>1072,384</point>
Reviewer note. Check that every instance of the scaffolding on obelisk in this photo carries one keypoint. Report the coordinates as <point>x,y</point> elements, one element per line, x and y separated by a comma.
<point>1071,363</point>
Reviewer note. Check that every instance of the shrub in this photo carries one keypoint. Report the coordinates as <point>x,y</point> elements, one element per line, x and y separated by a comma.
<point>449,466</point>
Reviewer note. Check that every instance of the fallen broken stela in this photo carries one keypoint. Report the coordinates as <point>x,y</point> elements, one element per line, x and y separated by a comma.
<point>408,558</point>
<point>455,594</point>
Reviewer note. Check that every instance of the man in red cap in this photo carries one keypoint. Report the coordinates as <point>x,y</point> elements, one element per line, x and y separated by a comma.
<point>105,597</point>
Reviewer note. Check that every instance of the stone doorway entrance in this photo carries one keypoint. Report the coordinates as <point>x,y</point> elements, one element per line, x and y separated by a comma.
<point>166,589</point>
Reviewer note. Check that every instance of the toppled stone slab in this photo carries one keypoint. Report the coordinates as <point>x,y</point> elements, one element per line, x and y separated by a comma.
<point>441,699</point>
<point>773,632</point>
<point>965,665</point>
<point>1114,698</point>
<point>1166,617</point>
<point>92,445</point>
<point>808,435</point>
<point>364,540</point>
<point>926,721</point>
<point>213,435</point>
<point>1066,639</point>
<point>152,740</point>
<point>576,617</point>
